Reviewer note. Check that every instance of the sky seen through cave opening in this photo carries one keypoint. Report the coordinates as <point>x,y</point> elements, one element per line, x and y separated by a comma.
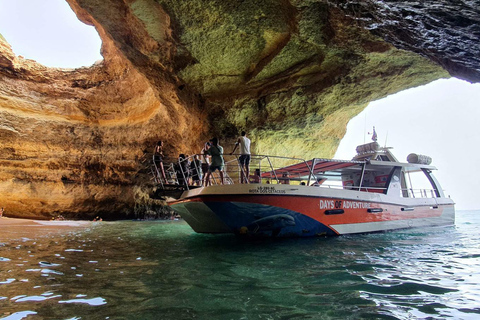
<point>49,32</point>
<point>440,119</point>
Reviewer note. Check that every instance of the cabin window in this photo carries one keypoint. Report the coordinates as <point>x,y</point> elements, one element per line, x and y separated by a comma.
<point>373,181</point>
<point>419,185</point>
<point>382,158</point>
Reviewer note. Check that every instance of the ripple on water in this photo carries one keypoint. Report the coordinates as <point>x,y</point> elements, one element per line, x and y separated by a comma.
<point>48,264</point>
<point>34,298</point>
<point>19,315</point>
<point>405,288</point>
<point>165,270</point>
<point>92,302</point>
<point>9,280</point>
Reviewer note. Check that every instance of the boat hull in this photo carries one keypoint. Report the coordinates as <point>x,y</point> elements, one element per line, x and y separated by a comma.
<point>287,211</point>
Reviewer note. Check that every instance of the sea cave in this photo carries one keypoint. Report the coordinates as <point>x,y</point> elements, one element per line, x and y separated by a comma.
<point>77,142</point>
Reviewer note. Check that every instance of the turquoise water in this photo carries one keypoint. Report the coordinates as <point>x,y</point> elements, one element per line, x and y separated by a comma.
<point>163,270</point>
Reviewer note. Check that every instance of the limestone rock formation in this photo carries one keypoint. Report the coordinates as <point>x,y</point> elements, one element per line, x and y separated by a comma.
<point>73,142</point>
<point>445,31</point>
<point>292,73</point>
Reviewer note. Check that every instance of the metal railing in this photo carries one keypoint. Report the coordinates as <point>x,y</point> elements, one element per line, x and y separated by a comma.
<point>420,193</point>
<point>178,172</point>
<point>182,172</point>
<point>262,169</point>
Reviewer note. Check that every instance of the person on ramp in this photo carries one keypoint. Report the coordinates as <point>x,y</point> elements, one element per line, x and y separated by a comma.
<point>244,159</point>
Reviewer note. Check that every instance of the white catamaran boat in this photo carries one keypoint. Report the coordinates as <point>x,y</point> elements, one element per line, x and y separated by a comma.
<point>301,198</point>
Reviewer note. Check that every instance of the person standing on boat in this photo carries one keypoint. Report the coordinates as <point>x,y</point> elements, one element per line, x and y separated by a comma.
<point>196,170</point>
<point>216,152</point>
<point>244,159</point>
<point>158,160</point>
<point>182,169</point>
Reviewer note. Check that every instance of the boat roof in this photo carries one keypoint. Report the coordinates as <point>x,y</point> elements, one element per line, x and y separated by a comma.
<point>320,165</point>
<point>405,165</point>
<point>303,168</point>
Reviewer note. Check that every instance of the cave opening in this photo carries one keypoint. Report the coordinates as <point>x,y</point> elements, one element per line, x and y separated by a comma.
<point>440,120</point>
<point>49,32</point>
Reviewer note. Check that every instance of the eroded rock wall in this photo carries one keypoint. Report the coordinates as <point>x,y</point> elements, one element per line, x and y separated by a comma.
<point>291,73</point>
<point>73,142</point>
<point>444,31</point>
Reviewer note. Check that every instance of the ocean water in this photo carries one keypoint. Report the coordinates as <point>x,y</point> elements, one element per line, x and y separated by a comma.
<point>163,270</point>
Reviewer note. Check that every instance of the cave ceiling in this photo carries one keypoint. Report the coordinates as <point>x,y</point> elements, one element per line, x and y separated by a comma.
<point>291,73</point>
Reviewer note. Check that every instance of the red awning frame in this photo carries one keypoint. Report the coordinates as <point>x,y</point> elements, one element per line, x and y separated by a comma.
<point>304,168</point>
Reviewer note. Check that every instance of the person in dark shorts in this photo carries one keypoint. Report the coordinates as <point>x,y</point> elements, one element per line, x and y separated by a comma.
<point>244,159</point>
<point>182,169</point>
<point>196,170</point>
<point>158,161</point>
<point>216,151</point>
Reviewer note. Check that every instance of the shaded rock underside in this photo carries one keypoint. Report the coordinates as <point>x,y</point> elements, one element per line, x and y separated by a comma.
<point>291,73</point>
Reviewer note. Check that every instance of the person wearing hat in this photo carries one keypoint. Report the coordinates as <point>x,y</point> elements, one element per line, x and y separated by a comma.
<point>216,152</point>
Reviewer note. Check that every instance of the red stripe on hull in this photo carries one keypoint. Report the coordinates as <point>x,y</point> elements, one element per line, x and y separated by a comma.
<point>315,207</point>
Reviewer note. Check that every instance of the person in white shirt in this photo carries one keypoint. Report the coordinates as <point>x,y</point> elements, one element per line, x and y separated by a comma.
<point>244,159</point>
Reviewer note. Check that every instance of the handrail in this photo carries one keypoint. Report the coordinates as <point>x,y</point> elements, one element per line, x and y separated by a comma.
<point>177,175</point>
<point>420,192</point>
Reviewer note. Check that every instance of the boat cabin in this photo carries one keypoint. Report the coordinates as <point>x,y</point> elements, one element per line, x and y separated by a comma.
<point>373,169</point>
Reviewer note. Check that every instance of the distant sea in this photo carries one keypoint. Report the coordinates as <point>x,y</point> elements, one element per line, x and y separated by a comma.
<point>163,270</point>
